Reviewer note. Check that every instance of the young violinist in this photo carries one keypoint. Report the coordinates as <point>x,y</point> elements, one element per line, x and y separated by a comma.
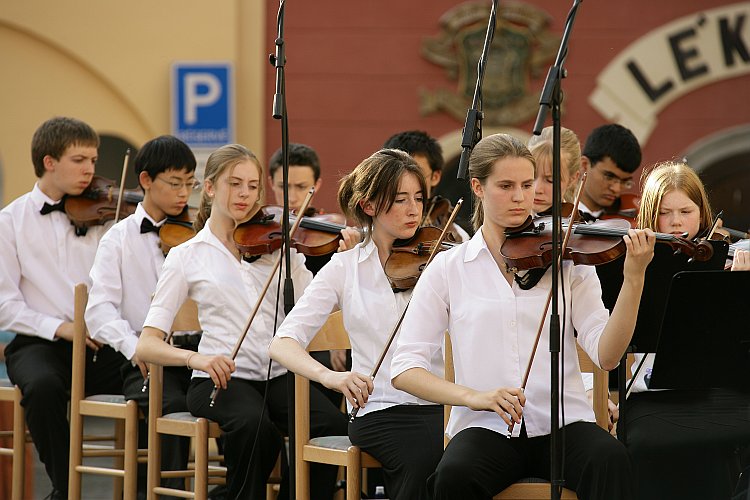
<point>678,434</point>
<point>428,154</point>
<point>610,156</point>
<point>124,275</point>
<point>43,258</point>
<point>469,292</point>
<point>570,158</point>
<point>208,269</point>
<point>384,193</point>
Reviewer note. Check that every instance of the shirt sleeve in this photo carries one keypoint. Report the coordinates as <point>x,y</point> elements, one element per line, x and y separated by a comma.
<point>319,299</point>
<point>426,321</point>
<point>589,314</point>
<point>171,292</point>
<point>103,316</point>
<point>15,315</point>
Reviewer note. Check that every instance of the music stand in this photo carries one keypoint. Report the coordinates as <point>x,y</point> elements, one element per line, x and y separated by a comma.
<point>698,348</point>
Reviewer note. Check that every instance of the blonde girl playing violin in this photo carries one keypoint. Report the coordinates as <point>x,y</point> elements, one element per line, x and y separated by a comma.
<point>570,157</point>
<point>674,201</point>
<point>385,193</point>
<point>492,321</point>
<point>209,270</point>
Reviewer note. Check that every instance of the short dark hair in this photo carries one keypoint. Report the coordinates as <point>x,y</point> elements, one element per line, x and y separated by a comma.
<point>163,153</point>
<point>55,135</point>
<point>300,155</point>
<point>416,142</point>
<point>616,142</point>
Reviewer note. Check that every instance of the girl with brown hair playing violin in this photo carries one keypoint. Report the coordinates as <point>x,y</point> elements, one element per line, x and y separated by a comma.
<point>678,439</point>
<point>385,193</point>
<point>124,275</point>
<point>469,292</point>
<point>209,270</point>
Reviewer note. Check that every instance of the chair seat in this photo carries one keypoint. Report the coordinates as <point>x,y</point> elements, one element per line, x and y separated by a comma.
<point>107,398</point>
<point>4,382</point>
<point>341,443</point>
<point>183,416</point>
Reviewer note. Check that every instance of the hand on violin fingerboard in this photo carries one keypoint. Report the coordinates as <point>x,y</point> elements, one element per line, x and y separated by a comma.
<point>741,261</point>
<point>640,250</point>
<point>350,236</point>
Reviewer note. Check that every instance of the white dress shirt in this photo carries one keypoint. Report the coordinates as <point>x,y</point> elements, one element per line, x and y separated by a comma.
<point>41,262</point>
<point>492,326</point>
<point>354,281</point>
<point>225,290</point>
<point>124,276</point>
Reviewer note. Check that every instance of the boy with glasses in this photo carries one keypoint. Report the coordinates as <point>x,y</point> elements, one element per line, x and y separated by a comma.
<point>124,275</point>
<point>611,156</point>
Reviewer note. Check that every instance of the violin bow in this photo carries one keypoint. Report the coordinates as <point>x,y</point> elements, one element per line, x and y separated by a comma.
<point>262,295</point>
<point>122,184</point>
<point>715,225</point>
<point>568,232</point>
<point>392,336</point>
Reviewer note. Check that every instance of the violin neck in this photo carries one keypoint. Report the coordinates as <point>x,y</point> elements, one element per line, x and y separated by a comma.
<point>616,231</point>
<point>131,197</point>
<point>318,225</point>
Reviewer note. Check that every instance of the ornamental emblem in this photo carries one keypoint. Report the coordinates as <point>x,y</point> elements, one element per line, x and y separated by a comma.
<point>521,50</point>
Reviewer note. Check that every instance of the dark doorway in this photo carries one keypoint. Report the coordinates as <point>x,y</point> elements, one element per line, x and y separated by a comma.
<point>111,155</point>
<point>728,185</point>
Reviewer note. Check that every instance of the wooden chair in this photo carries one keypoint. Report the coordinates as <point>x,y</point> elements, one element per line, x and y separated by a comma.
<point>113,406</point>
<point>332,450</point>
<point>12,394</point>
<point>536,489</point>
<point>179,424</point>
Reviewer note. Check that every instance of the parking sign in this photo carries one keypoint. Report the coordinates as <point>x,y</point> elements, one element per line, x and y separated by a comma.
<point>203,103</point>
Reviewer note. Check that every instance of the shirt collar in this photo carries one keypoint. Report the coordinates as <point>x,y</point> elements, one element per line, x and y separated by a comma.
<point>140,214</point>
<point>366,250</point>
<point>39,198</point>
<point>475,245</point>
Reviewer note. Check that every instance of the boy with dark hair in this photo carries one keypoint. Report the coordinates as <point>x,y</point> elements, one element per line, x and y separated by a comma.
<point>304,173</point>
<point>124,275</point>
<point>428,154</point>
<point>611,155</point>
<point>42,258</point>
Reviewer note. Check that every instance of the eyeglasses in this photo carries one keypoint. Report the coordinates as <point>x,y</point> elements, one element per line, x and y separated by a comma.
<point>611,178</point>
<point>177,186</point>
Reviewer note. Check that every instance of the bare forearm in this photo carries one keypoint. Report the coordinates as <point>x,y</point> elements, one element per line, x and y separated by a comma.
<point>619,330</point>
<point>290,353</point>
<point>151,348</point>
<point>425,385</point>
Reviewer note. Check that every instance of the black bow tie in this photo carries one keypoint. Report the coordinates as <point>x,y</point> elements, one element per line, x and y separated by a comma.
<point>47,208</point>
<point>587,217</point>
<point>147,226</point>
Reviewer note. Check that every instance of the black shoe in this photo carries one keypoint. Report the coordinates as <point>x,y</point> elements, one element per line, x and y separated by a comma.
<point>56,495</point>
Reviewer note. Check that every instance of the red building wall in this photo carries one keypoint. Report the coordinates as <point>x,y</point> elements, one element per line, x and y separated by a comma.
<point>354,70</point>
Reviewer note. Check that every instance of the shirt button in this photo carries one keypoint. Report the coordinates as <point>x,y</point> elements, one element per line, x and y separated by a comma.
<point>513,323</point>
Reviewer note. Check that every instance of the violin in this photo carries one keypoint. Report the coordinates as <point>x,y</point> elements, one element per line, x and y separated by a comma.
<point>176,230</point>
<point>97,204</point>
<point>626,208</point>
<point>409,257</point>
<point>262,234</point>
<point>594,243</point>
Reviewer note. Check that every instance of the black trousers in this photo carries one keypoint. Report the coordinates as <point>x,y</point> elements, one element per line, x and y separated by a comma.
<point>238,412</point>
<point>408,441</point>
<point>42,370</point>
<point>683,442</point>
<point>479,463</point>
<point>175,450</point>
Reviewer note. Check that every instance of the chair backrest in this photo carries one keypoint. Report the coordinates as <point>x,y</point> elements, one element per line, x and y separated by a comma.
<point>78,377</point>
<point>331,336</point>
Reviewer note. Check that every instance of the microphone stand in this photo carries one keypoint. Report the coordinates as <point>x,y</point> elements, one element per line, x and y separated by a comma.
<point>472,132</point>
<point>551,98</point>
<point>278,61</point>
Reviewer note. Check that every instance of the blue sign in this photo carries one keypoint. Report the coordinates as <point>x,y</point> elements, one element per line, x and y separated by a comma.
<point>203,103</point>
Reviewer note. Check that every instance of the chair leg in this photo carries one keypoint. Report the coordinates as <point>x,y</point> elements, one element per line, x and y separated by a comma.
<point>302,479</point>
<point>353,473</point>
<point>201,461</point>
<point>76,453</point>
<point>130,445</point>
<point>154,460</point>
<point>119,462</point>
<point>19,447</point>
